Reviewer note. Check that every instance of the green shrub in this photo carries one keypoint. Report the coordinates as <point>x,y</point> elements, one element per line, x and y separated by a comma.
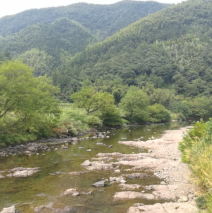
<point>158,113</point>
<point>192,135</point>
<point>113,118</point>
<point>7,139</point>
<point>201,202</point>
<point>71,126</point>
<point>181,108</point>
<point>197,151</point>
<point>93,121</point>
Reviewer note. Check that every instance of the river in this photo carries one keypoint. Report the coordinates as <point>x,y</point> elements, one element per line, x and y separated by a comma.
<point>53,179</point>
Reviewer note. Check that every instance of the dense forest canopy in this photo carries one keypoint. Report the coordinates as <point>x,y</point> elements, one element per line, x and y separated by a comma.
<point>169,49</point>
<point>62,35</point>
<point>101,20</point>
<point>59,33</point>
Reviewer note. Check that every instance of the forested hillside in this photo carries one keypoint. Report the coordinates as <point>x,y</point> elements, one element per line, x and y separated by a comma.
<point>63,34</point>
<point>171,49</point>
<point>101,20</point>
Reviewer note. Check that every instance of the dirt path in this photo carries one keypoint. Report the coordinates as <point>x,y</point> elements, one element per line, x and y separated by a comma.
<point>164,160</point>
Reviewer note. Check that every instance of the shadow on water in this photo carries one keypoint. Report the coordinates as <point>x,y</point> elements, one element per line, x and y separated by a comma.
<point>47,185</point>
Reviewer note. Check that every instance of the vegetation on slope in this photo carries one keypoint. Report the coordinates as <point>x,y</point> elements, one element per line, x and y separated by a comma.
<point>101,20</point>
<point>61,36</point>
<point>169,49</point>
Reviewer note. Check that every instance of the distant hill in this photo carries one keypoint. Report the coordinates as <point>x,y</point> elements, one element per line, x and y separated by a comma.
<point>171,48</point>
<point>101,20</point>
<point>63,35</point>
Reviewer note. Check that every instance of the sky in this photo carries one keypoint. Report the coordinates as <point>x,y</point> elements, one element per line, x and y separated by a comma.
<point>10,7</point>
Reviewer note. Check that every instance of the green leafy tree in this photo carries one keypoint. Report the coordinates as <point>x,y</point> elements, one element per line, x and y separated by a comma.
<point>39,60</point>
<point>91,101</point>
<point>26,103</point>
<point>135,105</point>
<point>112,118</point>
<point>180,107</point>
<point>200,107</point>
<point>162,96</point>
<point>158,113</point>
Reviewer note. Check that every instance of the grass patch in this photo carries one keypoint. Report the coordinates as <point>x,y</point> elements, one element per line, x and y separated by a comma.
<point>196,148</point>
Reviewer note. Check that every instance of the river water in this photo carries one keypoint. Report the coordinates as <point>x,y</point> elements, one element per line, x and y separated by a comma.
<point>46,186</point>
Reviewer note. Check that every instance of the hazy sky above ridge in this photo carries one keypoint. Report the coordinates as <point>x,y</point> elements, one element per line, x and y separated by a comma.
<point>10,7</point>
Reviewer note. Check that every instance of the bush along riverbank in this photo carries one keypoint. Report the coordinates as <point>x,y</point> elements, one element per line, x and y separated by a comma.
<point>30,111</point>
<point>197,152</point>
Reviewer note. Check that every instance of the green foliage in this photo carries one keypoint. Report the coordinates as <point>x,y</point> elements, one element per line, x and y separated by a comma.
<point>166,49</point>
<point>93,121</point>
<point>201,202</point>
<point>91,101</point>
<point>197,151</point>
<point>158,113</point>
<point>27,104</point>
<point>200,106</point>
<point>15,138</point>
<point>75,121</point>
<point>39,60</point>
<point>102,20</point>
<point>192,135</point>
<point>62,34</point>
<point>135,105</point>
<point>162,96</point>
<point>4,56</point>
<point>72,122</point>
<point>112,118</point>
<point>181,108</point>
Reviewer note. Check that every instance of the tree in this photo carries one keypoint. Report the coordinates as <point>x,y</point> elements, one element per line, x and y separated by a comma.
<point>158,113</point>
<point>91,101</point>
<point>26,103</point>
<point>162,96</point>
<point>39,60</point>
<point>135,105</point>
<point>200,107</point>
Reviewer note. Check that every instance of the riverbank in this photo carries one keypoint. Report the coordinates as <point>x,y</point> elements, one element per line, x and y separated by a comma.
<point>164,161</point>
<point>49,144</point>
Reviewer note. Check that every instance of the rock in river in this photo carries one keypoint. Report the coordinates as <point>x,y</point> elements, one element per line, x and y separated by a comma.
<point>24,172</point>
<point>70,191</point>
<point>99,184</point>
<point>86,163</point>
<point>8,210</point>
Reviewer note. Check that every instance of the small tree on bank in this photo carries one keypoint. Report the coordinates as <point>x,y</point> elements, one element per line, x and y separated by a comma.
<point>135,105</point>
<point>91,101</point>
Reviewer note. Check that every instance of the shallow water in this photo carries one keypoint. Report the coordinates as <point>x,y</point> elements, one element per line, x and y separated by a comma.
<point>46,186</point>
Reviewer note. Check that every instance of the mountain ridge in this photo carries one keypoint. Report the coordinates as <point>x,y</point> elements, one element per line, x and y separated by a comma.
<point>144,52</point>
<point>91,16</point>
